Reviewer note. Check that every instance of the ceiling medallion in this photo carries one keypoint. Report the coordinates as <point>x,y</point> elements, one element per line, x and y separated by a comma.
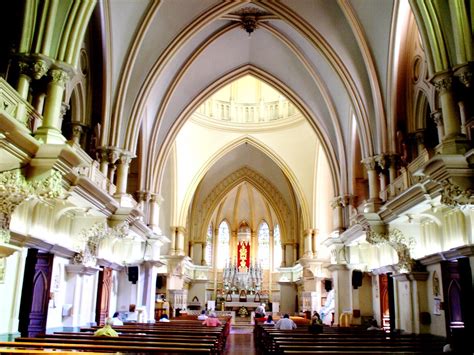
<point>249,17</point>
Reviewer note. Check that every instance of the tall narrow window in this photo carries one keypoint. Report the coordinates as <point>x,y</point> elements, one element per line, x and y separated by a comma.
<point>264,245</point>
<point>223,244</point>
<point>276,247</point>
<point>208,251</point>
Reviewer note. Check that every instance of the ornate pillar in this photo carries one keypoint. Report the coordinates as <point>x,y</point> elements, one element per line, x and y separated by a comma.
<point>233,245</point>
<point>308,243</point>
<point>179,240</point>
<point>314,236</point>
<point>253,245</point>
<point>392,172</point>
<point>122,172</point>
<point>24,80</point>
<point>342,289</point>
<point>437,116</point>
<point>154,217</point>
<point>453,141</point>
<point>382,161</point>
<point>113,155</point>
<point>338,217</point>
<point>50,131</point>
<point>102,156</point>
<point>370,164</point>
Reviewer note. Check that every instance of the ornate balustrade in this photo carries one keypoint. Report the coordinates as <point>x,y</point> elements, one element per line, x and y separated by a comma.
<point>92,171</point>
<point>247,113</point>
<point>407,177</point>
<point>12,105</point>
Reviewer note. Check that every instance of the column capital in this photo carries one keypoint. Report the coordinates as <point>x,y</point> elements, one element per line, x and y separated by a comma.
<point>393,159</point>
<point>464,74</point>
<point>443,82</point>
<point>370,163</point>
<point>113,154</point>
<point>437,117</point>
<point>59,77</point>
<point>156,198</point>
<point>125,158</point>
<point>337,202</point>
<point>382,160</point>
<point>24,68</point>
<point>39,68</point>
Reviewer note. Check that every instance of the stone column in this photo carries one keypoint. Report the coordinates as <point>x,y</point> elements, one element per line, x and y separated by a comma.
<point>233,245</point>
<point>24,80</point>
<point>307,243</point>
<point>453,141</point>
<point>50,131</point>
<point>253,245</point>
<point>338,217</point>
<point>155,201</point>
<point>370,164</point>
<point>149,290</point>
<point>392,172</point>
<point>122,172</point>
<point>179,243</point>
<point>173,240</point>
<point>342,289</point>
<point>113,155</point>
<point>102,156</point>
<point>382,161</point>
<point>420,141</point>
<point>314,236</point>
<point>437,117</point>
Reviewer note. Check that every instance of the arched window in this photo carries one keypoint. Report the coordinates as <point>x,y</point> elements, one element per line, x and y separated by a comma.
<point>264,245</point>
<point>223,244</point>
<point>276,247</point>
<point>208,251</point>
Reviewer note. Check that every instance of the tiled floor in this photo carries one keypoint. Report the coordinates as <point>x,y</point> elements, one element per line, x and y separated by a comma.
<point>240,341</point>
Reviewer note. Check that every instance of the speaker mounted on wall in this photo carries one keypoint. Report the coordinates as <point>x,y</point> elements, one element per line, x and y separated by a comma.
<point>133,274</point>
<point>328,285</point>
<point>357,276</point>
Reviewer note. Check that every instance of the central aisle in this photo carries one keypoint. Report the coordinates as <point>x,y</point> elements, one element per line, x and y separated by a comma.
<point>240,341</point>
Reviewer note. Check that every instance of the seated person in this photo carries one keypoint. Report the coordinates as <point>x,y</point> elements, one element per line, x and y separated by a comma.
<point>107,330</point>
<point>316,325</point>
<point>285,323</point>
<point>260,311</point>
<point>164,318</point>
<point>269,320</point>
<point>202,316</point>
<point>212,321</point>
<point>116,319</point>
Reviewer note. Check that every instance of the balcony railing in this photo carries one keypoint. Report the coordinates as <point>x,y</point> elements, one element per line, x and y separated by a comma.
<point>12,105</point>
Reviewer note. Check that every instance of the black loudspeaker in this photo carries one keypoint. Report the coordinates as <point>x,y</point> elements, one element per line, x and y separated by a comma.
<point>328,285</point>
<point>357,276</point>
<point>133,274</point>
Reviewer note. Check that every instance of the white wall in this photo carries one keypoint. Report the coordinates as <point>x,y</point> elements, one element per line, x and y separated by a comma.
<point>287,298</point>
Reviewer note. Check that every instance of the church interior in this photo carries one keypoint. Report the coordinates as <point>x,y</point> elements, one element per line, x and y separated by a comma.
<point>188,155</point>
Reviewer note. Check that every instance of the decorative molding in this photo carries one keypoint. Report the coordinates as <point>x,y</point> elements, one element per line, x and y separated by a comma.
<point>15,189</point>
<point>398,241</point>
<point>81,269</point>
<point>454,196</point>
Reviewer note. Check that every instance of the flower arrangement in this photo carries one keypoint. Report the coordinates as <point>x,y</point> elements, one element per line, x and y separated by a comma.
<point>243,312</point>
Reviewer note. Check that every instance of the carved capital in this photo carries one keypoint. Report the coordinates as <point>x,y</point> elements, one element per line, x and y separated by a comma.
<point>393,159</point>
<point>102,154</point>
<point>113,155</point>
<point>464,74</point>
<point>39,69</point>
<point>58,77</point>
<point>24,68</point>
<point>156,198</point>
<point>437,117</point>
<point>443,83</point>
<point>337,202</point>
<point>125,158</point>
<point>382,161</point>
<point>370,163</point>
